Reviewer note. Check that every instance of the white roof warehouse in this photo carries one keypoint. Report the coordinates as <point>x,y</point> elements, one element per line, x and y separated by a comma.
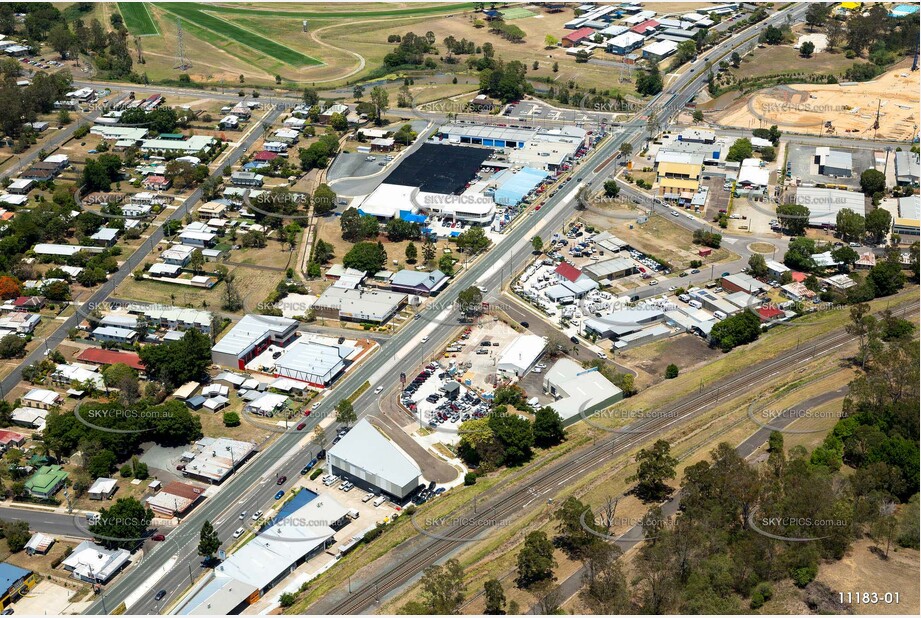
<point>249,337</point>
<point>581,391</point>
<point>521,354</point>
<point>370,460</point>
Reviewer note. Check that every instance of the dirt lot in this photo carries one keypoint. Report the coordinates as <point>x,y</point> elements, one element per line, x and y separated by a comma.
<point>650,360</point>
<point>851,109</point>
<point>659,237</point>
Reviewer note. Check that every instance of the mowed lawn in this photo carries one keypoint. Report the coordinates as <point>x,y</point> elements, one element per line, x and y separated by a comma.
<point>222,30</point>
<point>359,11</point>
<point>138,19</point>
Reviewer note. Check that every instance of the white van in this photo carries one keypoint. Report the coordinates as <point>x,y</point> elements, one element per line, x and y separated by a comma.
<point>719,315</point>
<point>695,303</point>
<point>353,513</point>
<point>379,501</point>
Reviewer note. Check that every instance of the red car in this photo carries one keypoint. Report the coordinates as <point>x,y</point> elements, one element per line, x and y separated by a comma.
<point>301,426</point>
<point>158,537</point>
<point>281,480</point>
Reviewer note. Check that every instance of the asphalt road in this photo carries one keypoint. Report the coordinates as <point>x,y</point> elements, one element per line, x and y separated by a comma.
<point>23,161</point>
<point>130,264</point>
<point>58,524</point>
<point>250,488</point>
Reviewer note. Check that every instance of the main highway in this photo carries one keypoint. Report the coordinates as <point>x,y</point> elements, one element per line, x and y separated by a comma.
<point>252,486</point>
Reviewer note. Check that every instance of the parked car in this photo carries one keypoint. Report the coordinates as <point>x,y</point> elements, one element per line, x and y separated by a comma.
<point>158,537</point>
<point>239,532</point>
<point>257,515</point>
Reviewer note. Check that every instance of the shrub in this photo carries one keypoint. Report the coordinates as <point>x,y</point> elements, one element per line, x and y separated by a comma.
<point>671,371</point>
<point>470,478</point>
<point>803,575</point>
<point>316,472</point>
<point>231,419</point>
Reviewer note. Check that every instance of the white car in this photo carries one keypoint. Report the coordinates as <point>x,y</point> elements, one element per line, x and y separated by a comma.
<point>602,355</point>
<point>378,390</point>
<point>238,532</point>
<point>537,370</point>
<point>482,289</point>
<point>243,515</point>
<point>368,497</point>
<point>257,515</point>
<point>424,339</point>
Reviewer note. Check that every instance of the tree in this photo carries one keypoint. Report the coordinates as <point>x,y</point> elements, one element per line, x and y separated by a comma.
<point>16,533</point>
<point>494,594</point>
<point>872,182</point>
<point>473,239</point>
<point>739,329</point>
<point>177,362</point>
<point>122,377</point>
<point>806,49</point>
<point>358,92</point>
<point>9,287</point>
<point>548,428</point>
<point>443,588</point>
<point>878,222</point>
<point>740,150</point>
<point>772,35</point>
<point>611,188</point>
<point>757,265</point>
<point>851,225</point>
<point>367,257</point>
<point>671,372</point>
<point>655,466</point>
<point>470,300</point>
<point>123,525</point>
<point>793,218</point>
<point>208,543</point>
<point>816,15</point>
<point>345,412</point>
<point>845,256</point>
<point>649,82</point>
<point>698,115</point>
<point>768,153</point>
<point>735,59</point>
<point>605,587</point>
<point>516,436</point>
<point>231,419</point>
<point>446,265</point>
<point>411,253</point>
<point>834,31</point>
<point>381,103</point>
<point>535,560</point>
<point>12,346</point>
<point>61,39</point>
<point>886,278</point>
<point>231,299</point>
<point>537,244</point>
<point>550,41</point>
<point>428,250</point>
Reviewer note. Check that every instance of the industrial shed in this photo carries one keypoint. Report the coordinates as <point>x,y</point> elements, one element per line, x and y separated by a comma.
<point>371,461</point>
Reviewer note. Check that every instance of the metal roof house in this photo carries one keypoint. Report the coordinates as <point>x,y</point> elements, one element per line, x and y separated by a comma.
<point>370,460</point>
<point>418,282</point>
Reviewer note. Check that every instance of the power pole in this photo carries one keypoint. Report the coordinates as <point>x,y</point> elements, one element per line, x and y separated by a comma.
<point>183,63</point>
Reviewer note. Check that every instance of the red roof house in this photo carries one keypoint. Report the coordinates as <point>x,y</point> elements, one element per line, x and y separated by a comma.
<point>798,276</point>
<point>577,36</point>
<point>28,303</point>
<point>768,313</point>
<point>646,27</point>
<point>98,356</point>
<point>265,155</point>
<point>568,271</point>
<point>157,183</point>
<point>8,438</point>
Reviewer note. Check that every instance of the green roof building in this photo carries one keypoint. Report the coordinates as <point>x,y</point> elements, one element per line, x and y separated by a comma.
<point>46,481</point>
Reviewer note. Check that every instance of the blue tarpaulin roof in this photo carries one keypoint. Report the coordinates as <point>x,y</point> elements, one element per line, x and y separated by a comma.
<point>407,215</point>
<point>516,186</point>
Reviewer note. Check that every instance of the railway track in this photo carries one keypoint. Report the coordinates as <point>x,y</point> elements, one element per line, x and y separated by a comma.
<point>512,502</point>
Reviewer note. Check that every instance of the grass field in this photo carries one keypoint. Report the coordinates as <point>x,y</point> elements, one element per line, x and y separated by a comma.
<point>221,29</point>
<point>516,13</point>
<point>138,19</point>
